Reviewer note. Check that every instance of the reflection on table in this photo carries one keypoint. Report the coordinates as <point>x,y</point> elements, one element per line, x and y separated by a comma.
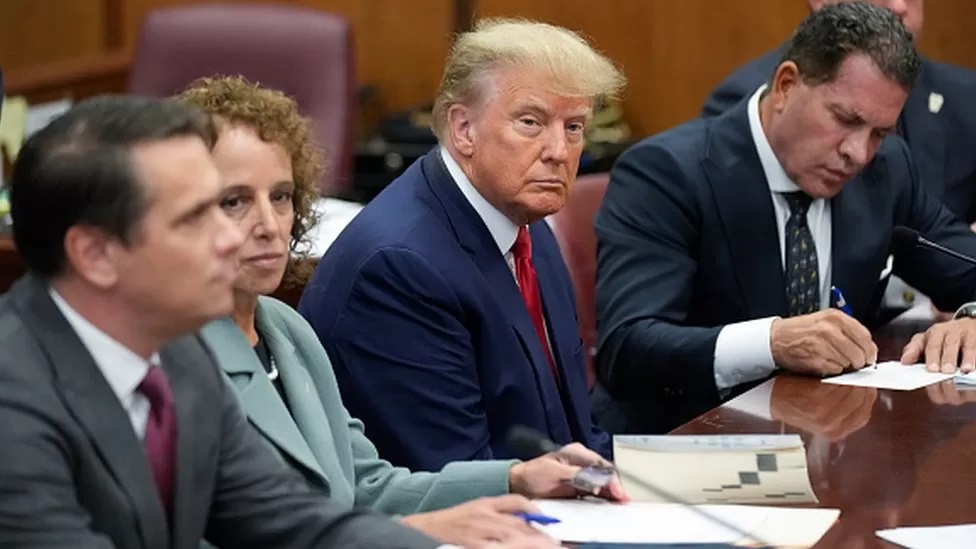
<point>885,458</point>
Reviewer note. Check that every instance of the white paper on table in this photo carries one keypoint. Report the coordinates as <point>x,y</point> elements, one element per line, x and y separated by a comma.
<point>710,443</point>
<point>932,537</point>
<point>715,469</point>
<point>890,375</point>
<point>965,379</point>
<point>602,522</point>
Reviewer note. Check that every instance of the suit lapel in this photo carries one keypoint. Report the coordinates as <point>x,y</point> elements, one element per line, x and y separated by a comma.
<point>192,435</point>
<point>474,237</point>
<point>855,239</point>
<point>90,398</point>
<point>562,326</point>
<point>745,207</point>
<point>261,401</point>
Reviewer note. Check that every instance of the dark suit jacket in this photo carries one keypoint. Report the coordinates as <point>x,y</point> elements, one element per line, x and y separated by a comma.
<point>431,342</point>
<point>687,243</point>
<point>940,142</point>
<point>74,473</point>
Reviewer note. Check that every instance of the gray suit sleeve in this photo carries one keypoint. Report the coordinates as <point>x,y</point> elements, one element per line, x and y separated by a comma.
<point>39,506</point>
<point>260,502</point>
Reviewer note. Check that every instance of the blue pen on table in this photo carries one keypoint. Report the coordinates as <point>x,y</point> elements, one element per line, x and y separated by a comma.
<point>838,298</point>
<point>537,518</point>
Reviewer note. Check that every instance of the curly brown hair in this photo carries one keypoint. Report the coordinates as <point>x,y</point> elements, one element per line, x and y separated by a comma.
<point>276,119</point>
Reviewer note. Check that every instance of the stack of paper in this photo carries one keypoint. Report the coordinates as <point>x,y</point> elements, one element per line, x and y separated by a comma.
<point>602,522</point>
<point>761,469</point>
<point>962,536</point>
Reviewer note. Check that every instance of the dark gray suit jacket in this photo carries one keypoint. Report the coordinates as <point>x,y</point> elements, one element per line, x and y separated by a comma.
<point>74,473</point>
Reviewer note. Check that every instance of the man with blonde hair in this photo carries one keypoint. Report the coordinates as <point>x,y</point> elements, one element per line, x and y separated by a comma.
<point>445,305</point>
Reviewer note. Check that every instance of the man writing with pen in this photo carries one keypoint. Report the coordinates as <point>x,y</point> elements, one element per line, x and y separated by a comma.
<point>759,240</point>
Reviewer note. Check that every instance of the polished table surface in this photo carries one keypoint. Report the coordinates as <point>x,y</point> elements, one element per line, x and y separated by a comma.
<point>884,458</point>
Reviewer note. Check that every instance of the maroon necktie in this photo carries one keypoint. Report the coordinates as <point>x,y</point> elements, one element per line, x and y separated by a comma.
<point>529,287</point>
<point>160,439</point>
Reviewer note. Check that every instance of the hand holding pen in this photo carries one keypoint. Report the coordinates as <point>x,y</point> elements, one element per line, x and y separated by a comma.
<point>571,471</point>
<point>823,343</point>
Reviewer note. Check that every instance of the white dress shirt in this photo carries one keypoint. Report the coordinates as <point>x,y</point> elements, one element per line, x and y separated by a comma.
<point>122,368</point>
<point>742,351</point>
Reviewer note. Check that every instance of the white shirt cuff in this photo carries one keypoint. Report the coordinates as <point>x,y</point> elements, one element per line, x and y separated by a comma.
<point>742,353</point>
<point>899,295</point>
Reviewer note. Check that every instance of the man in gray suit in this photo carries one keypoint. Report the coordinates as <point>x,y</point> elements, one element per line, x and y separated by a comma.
<point>116,427</point>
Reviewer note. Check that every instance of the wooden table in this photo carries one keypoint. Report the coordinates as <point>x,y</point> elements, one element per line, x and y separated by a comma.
<point>885,458</point>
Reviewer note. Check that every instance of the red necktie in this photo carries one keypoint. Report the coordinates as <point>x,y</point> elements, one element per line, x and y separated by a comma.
<point>529,287</point>
<point>160,439</point>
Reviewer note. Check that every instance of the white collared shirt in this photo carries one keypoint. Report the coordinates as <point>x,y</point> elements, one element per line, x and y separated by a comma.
<point>503,231</point>
<point>123,369</point>
<point>742,351</point>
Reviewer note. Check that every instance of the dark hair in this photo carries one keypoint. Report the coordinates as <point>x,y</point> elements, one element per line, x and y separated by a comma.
<point>78,171</point>
<point>275,117</point>
<point>829,35</point>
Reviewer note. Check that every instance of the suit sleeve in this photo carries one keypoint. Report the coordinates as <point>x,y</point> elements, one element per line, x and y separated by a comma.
<point>948,281</point>
<point>416,387</point>
<point>378,484</point>
<point>39,506</point>
<point>261,502</point>
<point>648,232</point>
<point>398,491</point>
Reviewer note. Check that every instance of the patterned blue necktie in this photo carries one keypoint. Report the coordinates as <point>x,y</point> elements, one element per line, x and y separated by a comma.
<point>802,270</point>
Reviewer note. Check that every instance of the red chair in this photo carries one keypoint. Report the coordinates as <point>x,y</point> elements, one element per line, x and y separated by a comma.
<point>305,53</point>
<point>573,227</point>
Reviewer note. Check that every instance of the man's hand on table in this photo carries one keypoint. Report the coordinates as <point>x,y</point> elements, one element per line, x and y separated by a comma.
<point>832,411</point>
<point>944,347</point>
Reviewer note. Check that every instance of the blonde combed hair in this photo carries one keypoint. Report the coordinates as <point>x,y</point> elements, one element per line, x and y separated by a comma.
<point>573,67</point>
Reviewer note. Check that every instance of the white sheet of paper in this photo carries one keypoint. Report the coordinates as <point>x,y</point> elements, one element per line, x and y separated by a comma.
<point>890,375</point>
<point>601,522</point>
<point>709,443</point>
<point>962,536</point>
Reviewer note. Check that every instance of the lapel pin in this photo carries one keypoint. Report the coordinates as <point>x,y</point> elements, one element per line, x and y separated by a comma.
<point>935,102</point>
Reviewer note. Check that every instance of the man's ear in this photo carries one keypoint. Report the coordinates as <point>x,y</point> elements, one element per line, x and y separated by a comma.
<point>92,255</point>
<point>786,78</point>
<point>461,128</point>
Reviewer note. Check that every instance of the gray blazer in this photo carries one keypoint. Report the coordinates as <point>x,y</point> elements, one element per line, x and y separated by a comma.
<point>74,473</point>
<point>319,437</point>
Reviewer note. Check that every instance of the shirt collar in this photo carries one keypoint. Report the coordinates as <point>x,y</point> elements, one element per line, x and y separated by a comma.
<point>122,368</point>
<point>502,230</point>
<point>776,176</point>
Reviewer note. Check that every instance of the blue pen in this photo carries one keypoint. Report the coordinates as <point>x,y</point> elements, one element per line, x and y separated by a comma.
<point>839,300</point>
<point>841,304</point>
<point>537,518</point>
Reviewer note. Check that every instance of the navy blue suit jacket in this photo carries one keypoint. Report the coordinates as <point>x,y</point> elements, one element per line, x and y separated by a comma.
<point>431,342</point>
<point>687,243</point>
<point>941,142</point>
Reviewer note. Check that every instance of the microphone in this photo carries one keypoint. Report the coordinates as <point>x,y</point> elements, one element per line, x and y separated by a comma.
<point>527,443</point>
<point>911,238</point>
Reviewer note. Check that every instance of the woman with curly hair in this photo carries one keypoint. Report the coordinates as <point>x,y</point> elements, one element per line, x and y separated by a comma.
<point>279,369</point>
